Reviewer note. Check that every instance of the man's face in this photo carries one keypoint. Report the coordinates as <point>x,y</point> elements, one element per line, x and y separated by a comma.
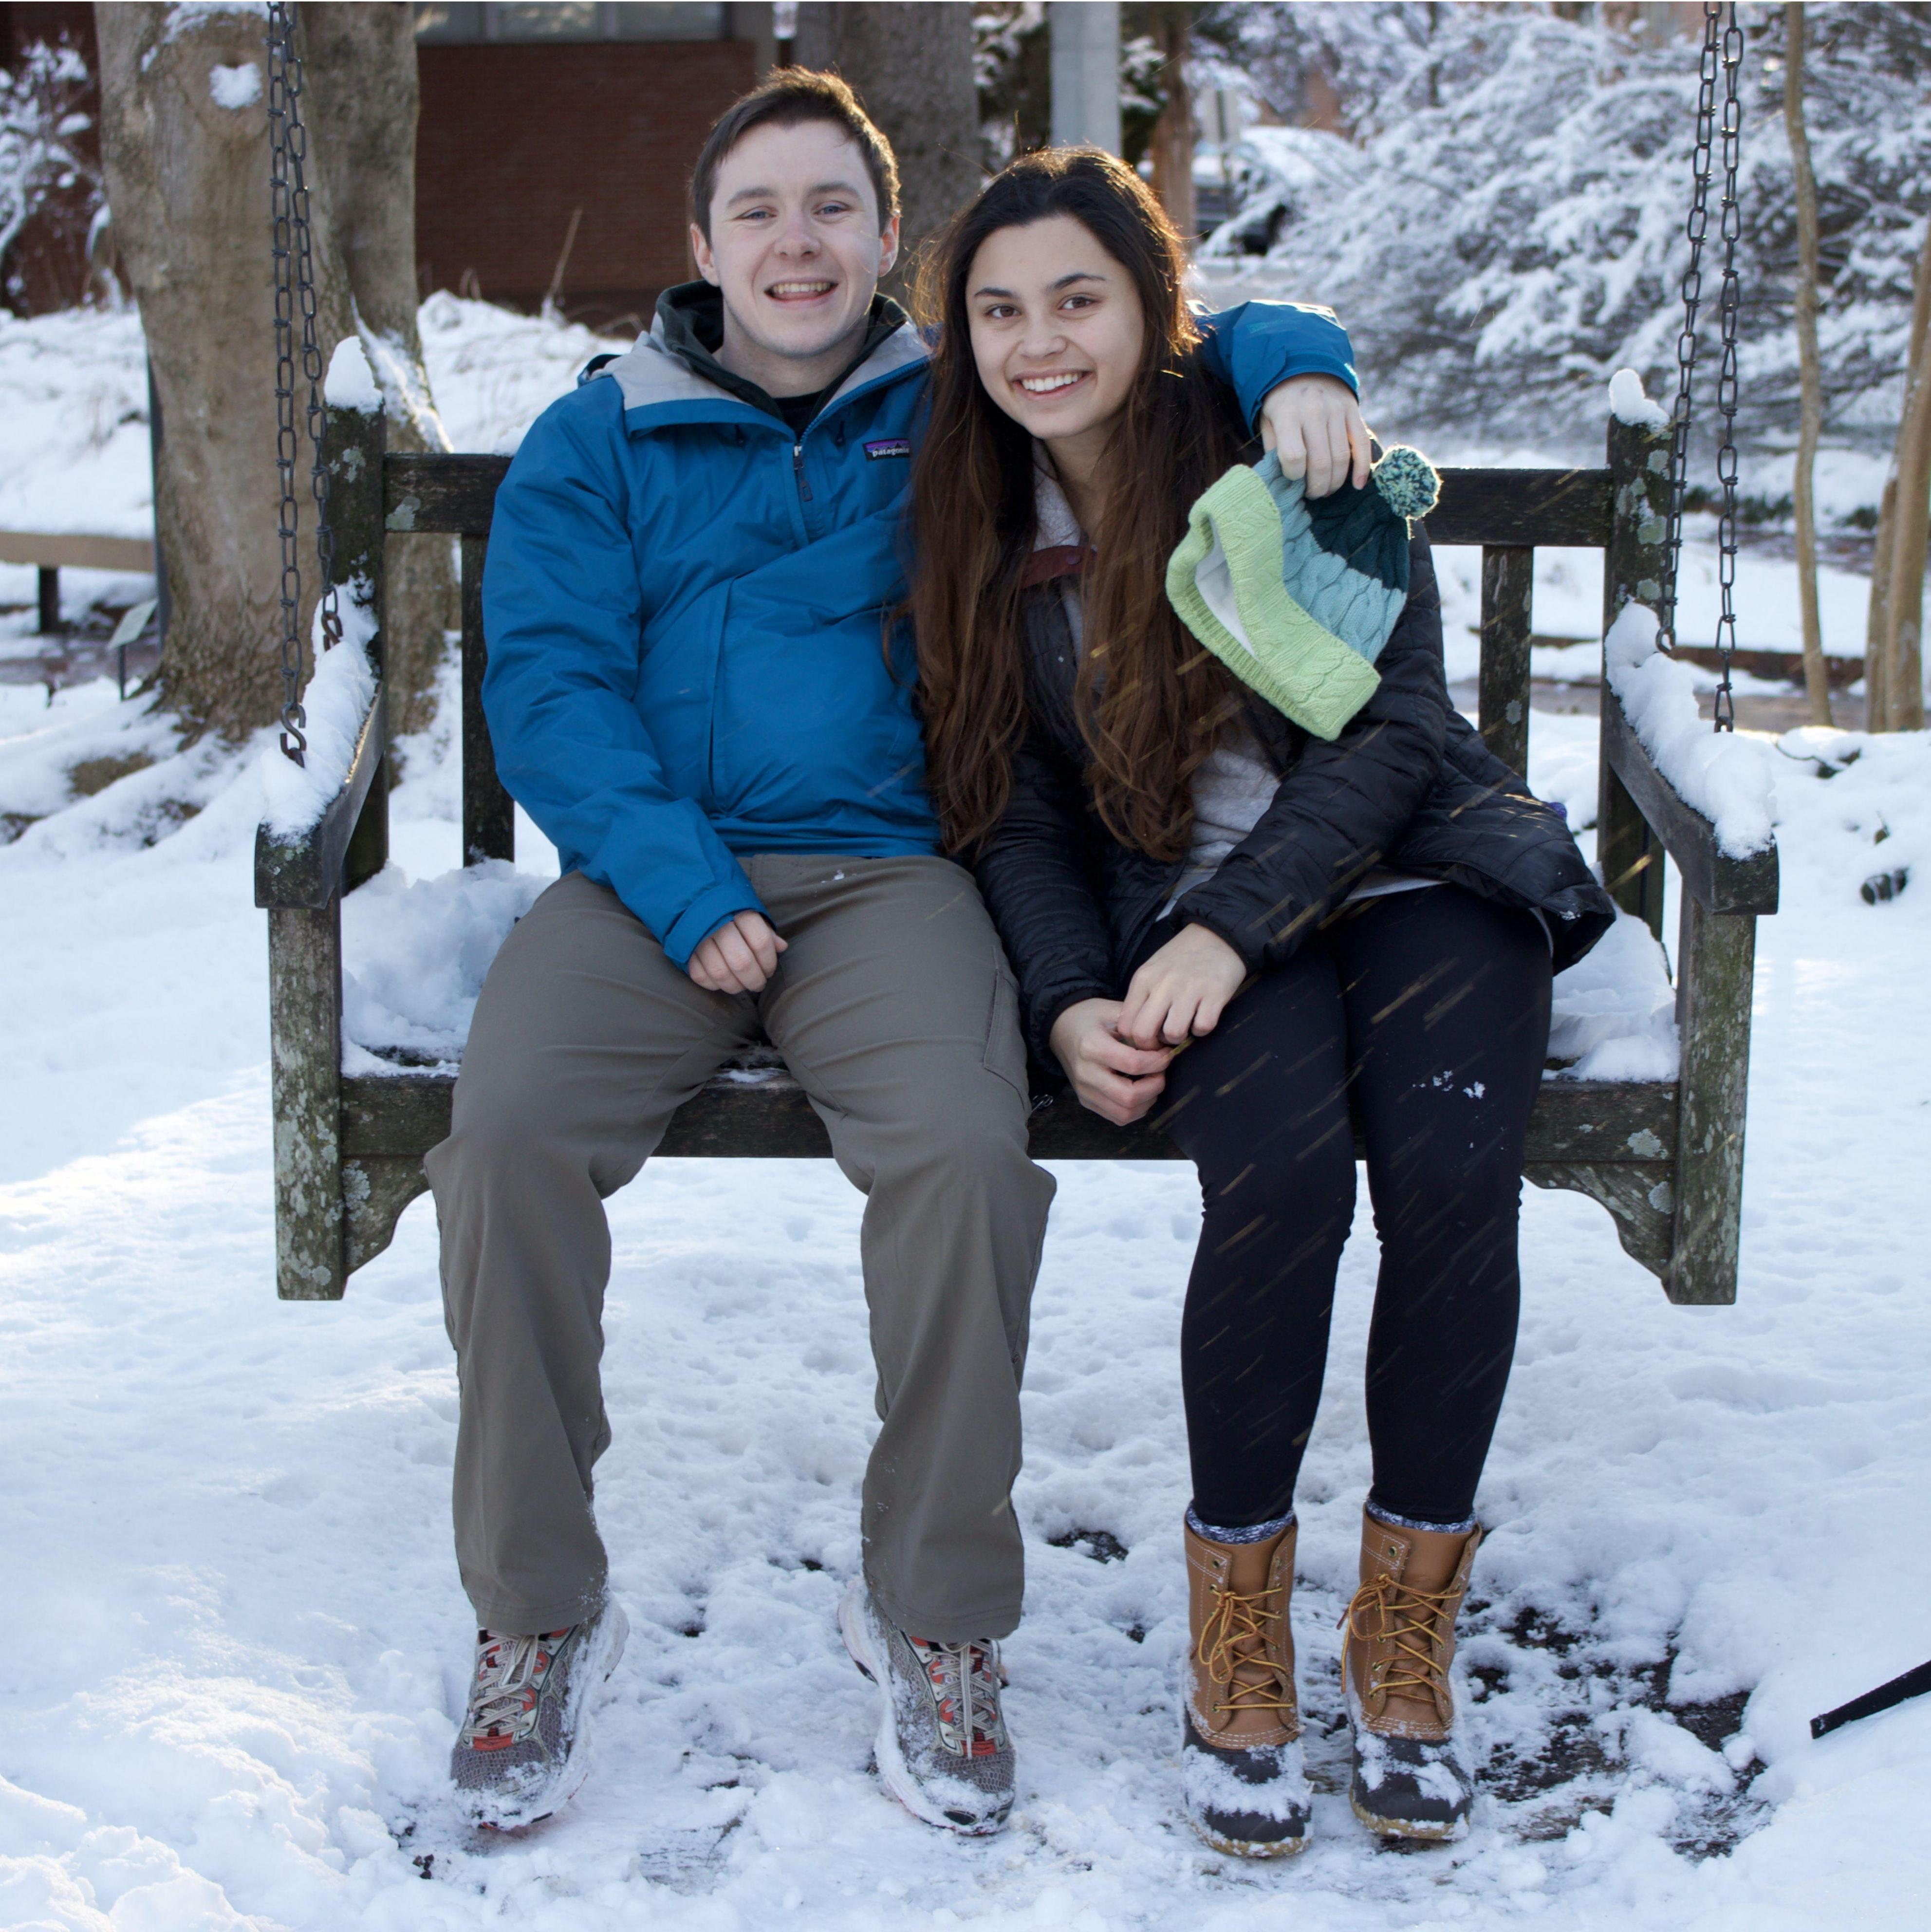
<point>795,243</point>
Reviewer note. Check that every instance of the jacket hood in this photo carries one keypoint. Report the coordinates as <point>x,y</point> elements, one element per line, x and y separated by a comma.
<point>675,364</point>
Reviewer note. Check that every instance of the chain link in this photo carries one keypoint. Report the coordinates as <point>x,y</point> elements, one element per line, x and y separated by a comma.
<point>1722,61</point>
<point>291,241</point>
<point>1728,303</point>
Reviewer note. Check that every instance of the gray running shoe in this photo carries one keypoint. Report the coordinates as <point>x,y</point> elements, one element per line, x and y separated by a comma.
<point>519,1751</point>
<point>943,1749</point>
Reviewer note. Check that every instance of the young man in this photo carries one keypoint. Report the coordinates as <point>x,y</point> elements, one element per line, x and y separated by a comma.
<point>691,563</point>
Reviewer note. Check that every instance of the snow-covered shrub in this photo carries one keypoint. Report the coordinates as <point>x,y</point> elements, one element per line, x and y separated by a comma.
<point>1512,229</point>
<point>40,122</point>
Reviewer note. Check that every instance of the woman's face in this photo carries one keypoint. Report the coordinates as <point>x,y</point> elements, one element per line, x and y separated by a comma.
<point>1058,330</point>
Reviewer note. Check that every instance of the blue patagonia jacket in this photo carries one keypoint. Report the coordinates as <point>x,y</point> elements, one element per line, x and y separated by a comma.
<point>685,611</point>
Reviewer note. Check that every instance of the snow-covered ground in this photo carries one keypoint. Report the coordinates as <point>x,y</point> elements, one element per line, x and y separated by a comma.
<point>239,1643</point>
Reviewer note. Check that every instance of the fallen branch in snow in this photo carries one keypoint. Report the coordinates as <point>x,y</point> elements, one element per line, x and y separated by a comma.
<point>1899,1691</point>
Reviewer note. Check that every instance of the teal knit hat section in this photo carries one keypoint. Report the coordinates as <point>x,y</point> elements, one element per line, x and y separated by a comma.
<point>1297,598</point>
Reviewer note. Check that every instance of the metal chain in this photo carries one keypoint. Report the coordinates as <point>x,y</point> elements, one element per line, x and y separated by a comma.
<point>291,243</point>
<point>1722,60</point>
<point>1727,305</point>
<point>1696,227</point>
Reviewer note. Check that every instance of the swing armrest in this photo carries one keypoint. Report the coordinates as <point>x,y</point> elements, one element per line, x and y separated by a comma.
<point>305,868</point>
<point>1718,883</point>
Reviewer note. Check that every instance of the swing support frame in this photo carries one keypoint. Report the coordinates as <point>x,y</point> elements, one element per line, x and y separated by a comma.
<point>1664,1157</point>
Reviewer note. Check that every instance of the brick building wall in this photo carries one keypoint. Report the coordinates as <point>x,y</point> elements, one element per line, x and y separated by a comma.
<point>515,137</point>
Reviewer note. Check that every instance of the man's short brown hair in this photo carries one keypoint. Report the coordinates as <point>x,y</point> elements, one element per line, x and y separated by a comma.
<point>791,96</point>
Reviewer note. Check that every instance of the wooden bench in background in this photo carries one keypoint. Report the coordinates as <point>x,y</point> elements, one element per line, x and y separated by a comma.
<point>1664,1157</point>
<point>51,552</point>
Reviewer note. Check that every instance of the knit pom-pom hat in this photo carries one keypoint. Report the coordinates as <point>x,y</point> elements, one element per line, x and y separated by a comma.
<point>1296,596</point>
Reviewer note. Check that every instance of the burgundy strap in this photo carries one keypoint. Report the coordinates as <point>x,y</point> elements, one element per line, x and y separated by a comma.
<point>1057,560</point>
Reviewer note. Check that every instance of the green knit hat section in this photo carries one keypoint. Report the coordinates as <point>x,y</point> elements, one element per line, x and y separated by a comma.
<point>1297,599</point>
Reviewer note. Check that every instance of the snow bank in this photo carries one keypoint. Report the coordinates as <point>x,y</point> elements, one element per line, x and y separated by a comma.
<point>414,956</point>
<point>1724,775</point>
<point>1615,1013</point>
<point>334,705</point>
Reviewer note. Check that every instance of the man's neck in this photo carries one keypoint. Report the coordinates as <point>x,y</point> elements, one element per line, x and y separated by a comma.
<point>789,375</point>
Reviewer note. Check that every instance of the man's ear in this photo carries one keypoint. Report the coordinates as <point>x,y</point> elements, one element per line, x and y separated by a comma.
<point>700,253</point>
<point>888,247</point>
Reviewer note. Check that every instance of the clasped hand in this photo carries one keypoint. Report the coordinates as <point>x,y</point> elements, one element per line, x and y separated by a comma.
<point>738,957</point>
<point>1116,1052</point>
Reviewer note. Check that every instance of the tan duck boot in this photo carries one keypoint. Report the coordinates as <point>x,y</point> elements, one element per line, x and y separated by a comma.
<point>1241,1779</point>
<point>1411,1780</point>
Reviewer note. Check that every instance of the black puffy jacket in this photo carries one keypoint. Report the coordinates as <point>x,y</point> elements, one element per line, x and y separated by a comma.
<point>1408,784</point>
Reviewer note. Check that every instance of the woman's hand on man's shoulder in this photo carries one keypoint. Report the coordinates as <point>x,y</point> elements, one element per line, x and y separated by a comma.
<point>1316,425</point>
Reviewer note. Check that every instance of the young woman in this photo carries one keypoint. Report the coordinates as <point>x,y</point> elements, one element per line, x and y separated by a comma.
<point>1363,926</point>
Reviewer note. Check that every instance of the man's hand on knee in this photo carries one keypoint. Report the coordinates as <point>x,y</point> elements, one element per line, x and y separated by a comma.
<point>739,957</point>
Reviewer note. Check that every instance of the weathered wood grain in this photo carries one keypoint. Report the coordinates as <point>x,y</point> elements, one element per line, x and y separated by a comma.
<point>1580,1131</point>
<point>450,495</point>
<point>1508,585</point>
<point>1521,507</point>
<point>1633,559</point>
<point>356,441</point>
<point>489,814</point>
<point>1715,970</point>
<point>304,1090</point>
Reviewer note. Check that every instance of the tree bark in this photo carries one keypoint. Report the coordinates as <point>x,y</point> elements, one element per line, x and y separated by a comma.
<point>362,103</point>
<point>187,180</point>
<point>1817,683</point>
<point>1910,538</point>
<point>1877,627</point>
<point>1174,132</point>
<point>912,66</point>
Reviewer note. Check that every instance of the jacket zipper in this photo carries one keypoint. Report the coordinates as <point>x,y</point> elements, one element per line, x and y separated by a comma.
<point>797,472</point>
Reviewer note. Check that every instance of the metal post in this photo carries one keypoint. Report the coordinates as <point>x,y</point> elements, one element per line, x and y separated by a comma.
<point>50,600</point>
<point>1086,72</point>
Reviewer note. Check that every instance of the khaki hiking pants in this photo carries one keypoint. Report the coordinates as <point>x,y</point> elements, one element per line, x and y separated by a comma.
<point>895,1009</point>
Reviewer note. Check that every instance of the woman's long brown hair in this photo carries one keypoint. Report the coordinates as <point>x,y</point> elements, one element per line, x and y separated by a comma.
<point>1149,699</point>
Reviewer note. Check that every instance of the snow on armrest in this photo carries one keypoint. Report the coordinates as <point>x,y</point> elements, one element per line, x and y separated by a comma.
<point>1723,776</point>
<point>1614,1015</point>
<point>335,705</point>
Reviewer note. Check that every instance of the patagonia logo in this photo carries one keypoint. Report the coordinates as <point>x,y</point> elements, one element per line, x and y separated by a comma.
<point>895,445</point>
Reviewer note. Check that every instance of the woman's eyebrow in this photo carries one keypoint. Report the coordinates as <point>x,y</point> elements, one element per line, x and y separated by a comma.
<point>1076,275</point>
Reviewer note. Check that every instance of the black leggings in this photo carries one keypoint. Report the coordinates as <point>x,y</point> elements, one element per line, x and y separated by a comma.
<point>1432,1008</point>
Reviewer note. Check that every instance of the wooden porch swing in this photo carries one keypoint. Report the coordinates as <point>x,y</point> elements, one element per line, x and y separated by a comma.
<point>1664,1157</point>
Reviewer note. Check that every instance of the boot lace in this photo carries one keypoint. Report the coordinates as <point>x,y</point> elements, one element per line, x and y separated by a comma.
<point>511,1671</point>
<point>1408,1619</point>
<point>964,1680</point>
<point>1236,1633</point>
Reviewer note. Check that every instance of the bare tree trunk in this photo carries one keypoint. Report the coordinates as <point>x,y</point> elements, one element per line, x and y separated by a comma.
<point>912,66</point>
<point>1911,534</point>
<point>1877,627</point>
<point>1174,132</point>
<point>1816,681</point>
<point>187,180</point>
<point>362,102</point>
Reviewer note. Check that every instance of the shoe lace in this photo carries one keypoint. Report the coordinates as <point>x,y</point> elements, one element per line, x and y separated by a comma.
<point>965,1679</point>
<point>509,1683</point>
<point>1237,1633</point>
<point>1409,1620</point>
